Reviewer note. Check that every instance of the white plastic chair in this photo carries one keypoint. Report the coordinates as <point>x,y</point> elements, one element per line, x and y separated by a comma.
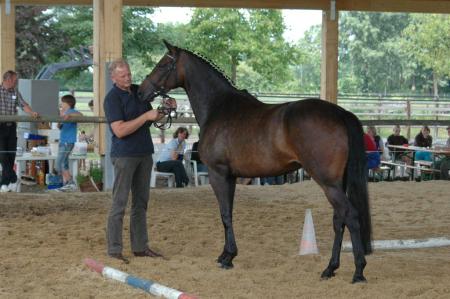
<point>191,169</point>
<point>169,176</point>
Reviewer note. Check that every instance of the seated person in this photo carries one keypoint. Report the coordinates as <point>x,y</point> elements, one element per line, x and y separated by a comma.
<point>372,131</point>
<point>171,158</point>
<point>423,139</point>
<point>443,164</point>
<point>372,154</point>
<point>397,139</point>
<point>196,157</point>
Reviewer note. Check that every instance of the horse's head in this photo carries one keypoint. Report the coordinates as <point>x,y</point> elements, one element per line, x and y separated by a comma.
<point>164,77</point>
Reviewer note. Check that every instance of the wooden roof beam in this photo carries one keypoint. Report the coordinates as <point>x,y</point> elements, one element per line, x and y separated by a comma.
<point>425,6</point>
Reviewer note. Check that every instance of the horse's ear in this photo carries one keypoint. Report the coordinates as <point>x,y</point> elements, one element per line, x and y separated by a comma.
<point>168,46</point>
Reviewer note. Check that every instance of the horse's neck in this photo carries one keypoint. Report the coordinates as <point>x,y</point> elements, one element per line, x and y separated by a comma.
<point>206,92</point>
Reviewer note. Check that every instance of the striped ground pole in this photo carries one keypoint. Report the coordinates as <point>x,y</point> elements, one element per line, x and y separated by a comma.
<point>146,285</point>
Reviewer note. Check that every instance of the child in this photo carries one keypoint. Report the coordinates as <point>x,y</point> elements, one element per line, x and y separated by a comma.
<point>82,138</point>
<point>67,139</point>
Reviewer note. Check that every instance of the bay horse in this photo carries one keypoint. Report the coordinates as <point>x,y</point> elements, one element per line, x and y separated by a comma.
<point>243,137</point>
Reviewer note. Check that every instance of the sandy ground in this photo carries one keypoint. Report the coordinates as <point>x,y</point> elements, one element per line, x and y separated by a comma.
<point>45,237</point>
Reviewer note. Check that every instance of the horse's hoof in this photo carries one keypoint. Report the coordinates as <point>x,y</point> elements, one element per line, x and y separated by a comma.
<point>226,267</point>
<point>221,258</point>
<point>359,279</point>
<point>327,274</point>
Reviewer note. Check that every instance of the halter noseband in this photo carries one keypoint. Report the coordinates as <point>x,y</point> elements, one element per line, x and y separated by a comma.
<point>161,90</point>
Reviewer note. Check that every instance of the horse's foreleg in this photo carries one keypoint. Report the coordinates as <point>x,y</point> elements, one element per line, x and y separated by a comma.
<point>224,187</point>
<point>338,226</point>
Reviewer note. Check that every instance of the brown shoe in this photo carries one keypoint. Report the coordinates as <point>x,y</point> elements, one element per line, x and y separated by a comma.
<point>147,252</point>
<point>119,256</point>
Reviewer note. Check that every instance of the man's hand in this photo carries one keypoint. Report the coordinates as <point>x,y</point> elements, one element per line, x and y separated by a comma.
<point>154,115</point>
<point>34,114</point>
<point>170,103</point>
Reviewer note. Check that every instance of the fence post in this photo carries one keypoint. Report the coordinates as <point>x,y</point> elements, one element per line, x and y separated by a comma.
<point>408,117</point>
<point>436,128</point>
<point>380,104</point>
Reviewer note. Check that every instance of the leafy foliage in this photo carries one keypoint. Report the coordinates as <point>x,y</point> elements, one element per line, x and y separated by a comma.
<point>36,39</point>
<point>368,51</point>
<point>427,40</point>
<point>378,52</point>
<point>230,36</point>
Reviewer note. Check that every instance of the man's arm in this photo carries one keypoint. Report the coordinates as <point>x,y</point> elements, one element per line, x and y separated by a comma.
<point>30,111</point>
<point>122,128</point>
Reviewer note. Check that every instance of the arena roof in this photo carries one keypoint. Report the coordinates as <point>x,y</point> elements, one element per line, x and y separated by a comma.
<point>426,6</point>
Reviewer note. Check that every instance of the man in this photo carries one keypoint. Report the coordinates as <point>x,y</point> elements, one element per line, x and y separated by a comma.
<point>10,99</point>
<point>131,155</point>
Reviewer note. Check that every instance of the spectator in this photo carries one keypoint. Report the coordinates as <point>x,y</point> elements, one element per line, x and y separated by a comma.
<point>444,164</point>
<point>171,158</point>
<point>372,154</point>
<point>372,131</point>
<point>83,138</point>
<point>423,139</point>
<point>397,139</point>
<point>91,105</point>
<point>10,99</point>
<point>131,155</point>
<point>67,139</point>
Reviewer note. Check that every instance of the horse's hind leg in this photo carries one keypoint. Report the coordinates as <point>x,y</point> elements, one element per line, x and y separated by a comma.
<point>224,187</point>
<point>344,215</point>
<point>338,226</point>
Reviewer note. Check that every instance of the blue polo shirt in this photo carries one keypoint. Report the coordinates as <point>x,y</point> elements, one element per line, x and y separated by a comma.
<point>122,105</point>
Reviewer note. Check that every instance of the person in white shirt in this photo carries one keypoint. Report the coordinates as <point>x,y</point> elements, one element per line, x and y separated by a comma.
<point>171,158</point>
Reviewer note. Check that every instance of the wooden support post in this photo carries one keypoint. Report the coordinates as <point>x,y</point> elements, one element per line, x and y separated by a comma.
<point>329,69</point>
<point>408,117</point>
<point>107,47</point>
<point>8,38</point>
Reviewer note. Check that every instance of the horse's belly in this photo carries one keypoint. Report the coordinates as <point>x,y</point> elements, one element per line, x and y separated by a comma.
<point>263,168</point>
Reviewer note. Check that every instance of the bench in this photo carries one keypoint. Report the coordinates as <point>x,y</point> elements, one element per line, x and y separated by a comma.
<point>421,166</point>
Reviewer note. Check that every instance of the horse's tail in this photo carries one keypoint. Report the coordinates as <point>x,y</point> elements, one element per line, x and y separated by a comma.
<point>355,179</point>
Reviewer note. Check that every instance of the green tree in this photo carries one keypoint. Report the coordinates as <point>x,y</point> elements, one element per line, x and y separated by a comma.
<point>427,40</point>
<point>36,40</point>
<point>369,55</point>
<point>45,34</point>
<point>268,53</point>
<point>307,62</point>
<point>230,36</point>
<point>217,32</point>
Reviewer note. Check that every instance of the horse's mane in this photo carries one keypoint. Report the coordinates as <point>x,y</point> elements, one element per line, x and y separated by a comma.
<point>219,72</point>
<point>214,66</point>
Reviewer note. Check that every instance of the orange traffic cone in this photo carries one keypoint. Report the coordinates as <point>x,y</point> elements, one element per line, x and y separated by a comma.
<point>308,244</point>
